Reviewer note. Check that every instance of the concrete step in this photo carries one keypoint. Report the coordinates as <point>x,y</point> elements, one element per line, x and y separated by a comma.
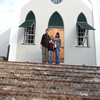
<point>44,79</point>
<point>52,70</point>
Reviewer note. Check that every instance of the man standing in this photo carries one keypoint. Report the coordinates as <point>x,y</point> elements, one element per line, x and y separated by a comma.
<point>45,45</point>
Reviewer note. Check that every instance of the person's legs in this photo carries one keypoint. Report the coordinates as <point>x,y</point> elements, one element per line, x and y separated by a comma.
<point>46,53</point>
<point>51,56</point>
<point>57,57</point>
<point>43,55</point>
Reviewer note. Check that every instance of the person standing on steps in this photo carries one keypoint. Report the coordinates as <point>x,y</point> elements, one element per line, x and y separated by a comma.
<point>51,48</point>
<point>45,45</point>
<point>57,46</point>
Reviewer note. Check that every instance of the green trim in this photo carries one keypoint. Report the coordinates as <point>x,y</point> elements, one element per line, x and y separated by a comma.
<point>30,16</point>
<point>27,23</point>
<point>30,20</point>
<point>85,25</point>
<point>8,52</point>
<point>82,22</point>
<point>56,26</point>
<point>55,21</point>
<point>81,18</point>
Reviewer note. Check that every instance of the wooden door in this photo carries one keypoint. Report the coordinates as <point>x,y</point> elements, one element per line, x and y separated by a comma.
<point>53,31</point>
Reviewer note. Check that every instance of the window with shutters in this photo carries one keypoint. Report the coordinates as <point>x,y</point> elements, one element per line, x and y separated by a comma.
<point>29,35</point>
<point>82,37</point>
<point>29,28</point>
<point>82,30</point>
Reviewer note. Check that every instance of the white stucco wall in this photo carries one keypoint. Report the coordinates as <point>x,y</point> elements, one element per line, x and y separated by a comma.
<point>96,16</point>
<point>69,10</point>
<point>4,42</point>
<point>14,30</point>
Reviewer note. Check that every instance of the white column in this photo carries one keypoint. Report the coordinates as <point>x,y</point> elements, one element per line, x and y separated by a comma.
<point>14,33</point>
<point>15,27</point>
<point>96,16</point>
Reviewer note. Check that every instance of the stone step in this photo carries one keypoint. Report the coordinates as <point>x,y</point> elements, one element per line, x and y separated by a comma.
<point>48,82</point>
<point>31,74</point>
<point>25,64</point>
<point>40,96</point>
<point>35,78</point>
<point>37,68</point>
<point>50,77</point>
<point>50,89</point>
<point>47,76</point>
<point>49,73</point>
<point>57,68</point>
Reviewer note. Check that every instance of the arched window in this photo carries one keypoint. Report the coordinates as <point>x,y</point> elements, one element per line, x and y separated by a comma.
<point>82,28</point>
<point>56,1</point>
<point>29,27</point>
<point>56,21</point>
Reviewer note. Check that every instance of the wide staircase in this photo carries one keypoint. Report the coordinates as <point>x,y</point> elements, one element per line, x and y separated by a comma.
<point>36,81</point>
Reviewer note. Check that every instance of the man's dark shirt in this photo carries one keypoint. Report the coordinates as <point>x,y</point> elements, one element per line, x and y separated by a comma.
<point>45,40</point>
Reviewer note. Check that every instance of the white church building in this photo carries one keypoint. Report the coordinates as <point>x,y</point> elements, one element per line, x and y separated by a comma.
<point>75,20</point>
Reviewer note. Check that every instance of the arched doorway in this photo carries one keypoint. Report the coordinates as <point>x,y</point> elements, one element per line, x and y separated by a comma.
<point>56,25</point>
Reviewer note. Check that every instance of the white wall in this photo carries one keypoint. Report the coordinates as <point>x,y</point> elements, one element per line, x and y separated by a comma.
<point>69,10</point>
<point>96,15</point>
<point>14,30</point>
<point>4,42</point>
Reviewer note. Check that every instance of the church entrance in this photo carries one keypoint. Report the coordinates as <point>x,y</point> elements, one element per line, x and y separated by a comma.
<point>56,25</point>
<point>53,31</point>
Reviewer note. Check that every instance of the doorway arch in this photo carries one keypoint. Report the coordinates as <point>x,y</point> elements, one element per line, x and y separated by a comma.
<point>56,21</point>
<point>56,25</point>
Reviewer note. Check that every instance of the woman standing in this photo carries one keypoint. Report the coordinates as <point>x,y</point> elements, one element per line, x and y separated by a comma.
<point>57,46</point>
<point>51,48</point>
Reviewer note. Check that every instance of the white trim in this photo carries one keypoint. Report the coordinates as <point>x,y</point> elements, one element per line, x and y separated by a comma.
<point>13,37</point>
<point>96,18</point>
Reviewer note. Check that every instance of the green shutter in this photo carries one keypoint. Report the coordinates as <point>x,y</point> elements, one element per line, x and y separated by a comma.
<point>27,23</point>
<point>85,25</point>
<point>30,16</point>
<point>82,18</point>
<point>30,20</point>
<point>8,52</point>
<point>55,21</point>
<point>82,22</point>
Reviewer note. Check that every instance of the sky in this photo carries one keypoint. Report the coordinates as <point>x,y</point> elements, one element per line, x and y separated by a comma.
<point>7,8</point>
<point>6,12</point>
